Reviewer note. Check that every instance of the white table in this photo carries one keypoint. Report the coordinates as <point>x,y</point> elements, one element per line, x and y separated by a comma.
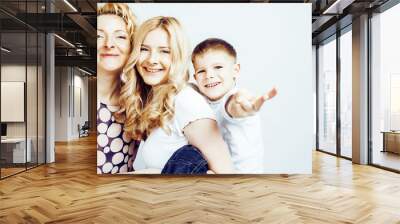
<point>18,150</point>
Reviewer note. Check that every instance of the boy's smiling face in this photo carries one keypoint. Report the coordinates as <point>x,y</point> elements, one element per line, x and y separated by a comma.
<point>215,73</point>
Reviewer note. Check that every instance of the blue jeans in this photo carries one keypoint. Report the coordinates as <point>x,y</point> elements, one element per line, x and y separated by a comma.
<point>186,160</point>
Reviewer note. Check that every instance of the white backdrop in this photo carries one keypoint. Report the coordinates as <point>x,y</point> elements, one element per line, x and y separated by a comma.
<point>273,42</point>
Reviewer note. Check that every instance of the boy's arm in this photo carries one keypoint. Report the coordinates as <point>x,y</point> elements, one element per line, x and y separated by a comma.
<point>242,104</point>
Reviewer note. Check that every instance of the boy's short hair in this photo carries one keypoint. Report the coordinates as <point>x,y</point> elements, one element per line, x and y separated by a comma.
<point>213,44</point>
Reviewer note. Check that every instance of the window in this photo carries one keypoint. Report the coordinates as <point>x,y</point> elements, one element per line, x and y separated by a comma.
<point>346,94</point>
<point>385,88</point>
<point>327,97</point>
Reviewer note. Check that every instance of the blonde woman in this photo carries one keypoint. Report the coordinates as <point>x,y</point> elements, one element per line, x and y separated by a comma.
<point>178,126</point>
<point>115,28</point>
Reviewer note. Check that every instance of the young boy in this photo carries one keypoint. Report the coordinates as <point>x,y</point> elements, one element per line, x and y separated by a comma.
<point>216,70</point>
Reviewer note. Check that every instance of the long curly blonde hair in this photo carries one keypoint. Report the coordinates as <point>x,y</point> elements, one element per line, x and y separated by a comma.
<point>149,107</point>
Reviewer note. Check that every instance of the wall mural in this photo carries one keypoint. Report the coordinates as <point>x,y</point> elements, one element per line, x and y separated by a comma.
<point>201,88</point>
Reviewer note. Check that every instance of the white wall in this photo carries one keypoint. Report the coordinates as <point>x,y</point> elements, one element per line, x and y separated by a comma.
<point>270,55</point>
<point>12,73</point>
<point>68,81</point>
<point>33,127</point>
<point>61,103</point>
<point>79,117</point>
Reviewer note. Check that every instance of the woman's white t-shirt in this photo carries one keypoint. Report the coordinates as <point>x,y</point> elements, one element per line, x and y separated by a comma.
<point>159,146</point>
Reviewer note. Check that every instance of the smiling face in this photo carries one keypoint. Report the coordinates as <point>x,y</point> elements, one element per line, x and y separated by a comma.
<point>215,73</point>
<point>113,43</point>
<point>155,58</point>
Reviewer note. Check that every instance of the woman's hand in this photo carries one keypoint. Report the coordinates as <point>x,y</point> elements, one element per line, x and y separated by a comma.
<point>205,135</point>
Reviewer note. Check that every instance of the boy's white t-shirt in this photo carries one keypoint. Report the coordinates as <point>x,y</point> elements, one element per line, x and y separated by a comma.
<point>243,137</point>
<point>159,146</point>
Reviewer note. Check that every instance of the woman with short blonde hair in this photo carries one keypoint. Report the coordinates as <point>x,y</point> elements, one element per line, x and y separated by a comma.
<point>116,25</point>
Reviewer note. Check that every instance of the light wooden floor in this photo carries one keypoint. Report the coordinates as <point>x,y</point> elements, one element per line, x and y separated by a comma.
<point>5,172</point>
<point>9,171</point>
<point>69,191</point>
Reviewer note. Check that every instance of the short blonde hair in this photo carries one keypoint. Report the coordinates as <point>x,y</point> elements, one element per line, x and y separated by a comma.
<point>149,107</point>
<point>122,10</point>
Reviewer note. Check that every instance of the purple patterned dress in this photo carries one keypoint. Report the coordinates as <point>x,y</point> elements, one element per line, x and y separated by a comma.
<point>116,151</point>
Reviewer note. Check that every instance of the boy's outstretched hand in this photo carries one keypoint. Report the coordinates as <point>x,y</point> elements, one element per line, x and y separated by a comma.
<point>242,104</point>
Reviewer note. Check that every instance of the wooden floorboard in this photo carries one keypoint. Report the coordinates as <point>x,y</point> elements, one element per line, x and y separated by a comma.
<point>70,191</point>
